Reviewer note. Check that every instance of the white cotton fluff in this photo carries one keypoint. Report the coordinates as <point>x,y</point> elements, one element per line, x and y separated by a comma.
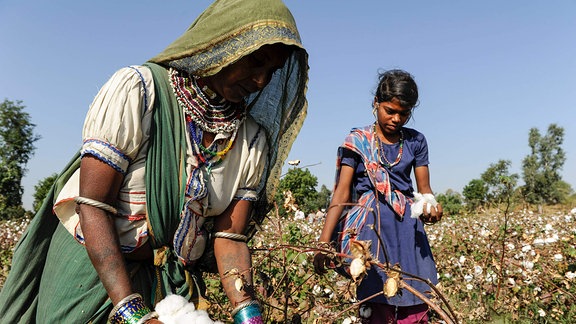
<point>418,205</point>
<point>175,309</point>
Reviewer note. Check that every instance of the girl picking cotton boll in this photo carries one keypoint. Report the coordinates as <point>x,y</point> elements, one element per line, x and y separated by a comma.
<point>426,207</point>
<point>374,172</point>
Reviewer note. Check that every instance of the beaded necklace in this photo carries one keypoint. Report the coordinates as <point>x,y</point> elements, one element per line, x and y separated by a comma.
<point>201,115</point>
<point>196,135</point>
<point>220,118</point>
<point>382,153</point>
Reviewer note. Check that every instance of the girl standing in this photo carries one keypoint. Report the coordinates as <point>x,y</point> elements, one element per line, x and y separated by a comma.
<point>374,171</point>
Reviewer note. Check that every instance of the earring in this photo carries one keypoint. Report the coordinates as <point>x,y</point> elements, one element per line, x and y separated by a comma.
<point>374,111</point>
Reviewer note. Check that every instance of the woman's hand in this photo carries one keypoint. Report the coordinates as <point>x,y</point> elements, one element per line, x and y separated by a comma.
<point>432,216</point>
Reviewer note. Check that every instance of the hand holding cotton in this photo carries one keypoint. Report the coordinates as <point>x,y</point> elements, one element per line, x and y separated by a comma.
<point>419,201</point>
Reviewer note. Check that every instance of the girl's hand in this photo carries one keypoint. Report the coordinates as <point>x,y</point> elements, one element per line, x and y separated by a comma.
<point>432,216</point>
<point>321,261</point>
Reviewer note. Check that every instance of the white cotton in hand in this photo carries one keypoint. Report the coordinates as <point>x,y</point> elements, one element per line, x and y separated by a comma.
<point>175,309</point>
<point>418,204</point>
<point>170,306</point>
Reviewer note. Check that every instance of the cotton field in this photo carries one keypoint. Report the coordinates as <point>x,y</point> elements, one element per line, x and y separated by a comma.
<point>519,267</point>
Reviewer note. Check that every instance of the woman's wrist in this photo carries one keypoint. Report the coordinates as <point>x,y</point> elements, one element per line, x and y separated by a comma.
<point>131,310</point>
<point>247,312</point>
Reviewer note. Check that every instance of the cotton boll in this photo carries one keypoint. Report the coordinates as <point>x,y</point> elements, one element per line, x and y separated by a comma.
<point>175,309</point>
<point>170,305</point>
<point>357,268</point>
<point>541,312</point>
<point>365,311</point>
<point>199,316</point>
<point>317,290</point>
<point>189,308</point>
<point>558,257</point>
<point>418,205</point>
<point>349,320</point>
<point>419,201</point>
<point>477,270</point>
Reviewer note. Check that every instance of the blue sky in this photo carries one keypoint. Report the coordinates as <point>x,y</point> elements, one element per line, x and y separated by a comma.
<point>488,71</point>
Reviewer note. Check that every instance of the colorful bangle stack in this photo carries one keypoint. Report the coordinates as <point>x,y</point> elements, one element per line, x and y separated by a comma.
<point>131,310</point>
<point>248,313</point>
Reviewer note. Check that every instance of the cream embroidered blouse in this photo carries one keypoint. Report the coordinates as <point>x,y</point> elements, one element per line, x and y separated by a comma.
<point>116,131</point>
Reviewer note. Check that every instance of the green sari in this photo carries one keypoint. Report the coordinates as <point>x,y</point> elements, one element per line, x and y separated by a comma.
<point>52,279</point>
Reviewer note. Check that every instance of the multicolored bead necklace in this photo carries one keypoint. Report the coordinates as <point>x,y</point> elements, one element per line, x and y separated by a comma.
<point>203,116</point>
<point>382,153</point>
<point>220,118</point>
<point>196,135</point>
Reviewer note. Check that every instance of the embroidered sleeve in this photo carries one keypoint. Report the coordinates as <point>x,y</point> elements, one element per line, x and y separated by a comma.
<point>113,126</point>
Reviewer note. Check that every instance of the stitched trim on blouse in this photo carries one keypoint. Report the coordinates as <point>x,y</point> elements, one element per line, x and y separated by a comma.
<point>105,160</point>
<point>109,146</point>
<point>143,86</point>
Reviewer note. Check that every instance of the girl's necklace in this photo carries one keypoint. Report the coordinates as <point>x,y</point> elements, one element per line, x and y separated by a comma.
<point>382,153</point>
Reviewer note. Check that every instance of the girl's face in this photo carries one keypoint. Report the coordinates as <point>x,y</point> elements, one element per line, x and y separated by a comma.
<point>249,74</point>
<point>391,116</point>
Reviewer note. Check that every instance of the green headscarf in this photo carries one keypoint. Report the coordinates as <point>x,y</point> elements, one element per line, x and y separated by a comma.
<point>229,30</point>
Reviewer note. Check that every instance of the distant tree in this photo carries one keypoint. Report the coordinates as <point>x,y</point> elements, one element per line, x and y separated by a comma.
<point>565,191</point>
<point>475,193</point>
<point>302,184</point>
<point>541,168</point>
<point>451,202</point>
<point>499,182</point>
<point>16,148</point>
<point>41,190</point>
<point>322,200</point>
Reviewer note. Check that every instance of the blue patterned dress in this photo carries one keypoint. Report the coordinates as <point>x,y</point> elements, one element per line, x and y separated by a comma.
<point>404,237</point>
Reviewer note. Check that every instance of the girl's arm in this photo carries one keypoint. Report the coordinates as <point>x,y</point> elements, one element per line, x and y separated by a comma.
<point>340,196</point>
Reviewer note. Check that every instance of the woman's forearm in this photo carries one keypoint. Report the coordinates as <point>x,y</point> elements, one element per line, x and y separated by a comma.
<point>104,251</point>
<point>231,255</point>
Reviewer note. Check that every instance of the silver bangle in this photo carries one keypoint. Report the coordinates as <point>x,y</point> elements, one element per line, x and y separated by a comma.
<point>96,203</point>
<point>231,236</point>
<point>121,303</point>
<point>147,317</point>
<point>244,305</point>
